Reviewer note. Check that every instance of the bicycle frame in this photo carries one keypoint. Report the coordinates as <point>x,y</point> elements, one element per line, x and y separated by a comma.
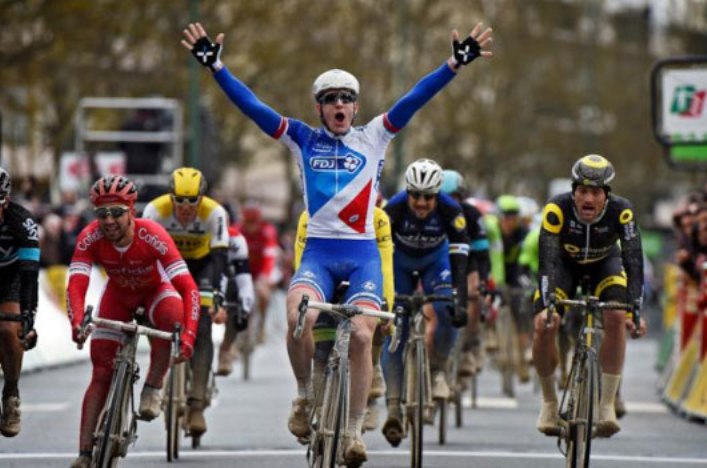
<point>580,398</point>
<point>329,417</point>
<point>416,396</point>
<point>116,429</point>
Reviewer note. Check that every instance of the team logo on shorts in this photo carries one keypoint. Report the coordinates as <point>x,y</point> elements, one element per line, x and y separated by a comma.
<point>369,286</point>
<point>349,163</point>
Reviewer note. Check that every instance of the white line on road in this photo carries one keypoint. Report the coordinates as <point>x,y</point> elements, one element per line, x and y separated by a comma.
<point>43,407</point>
<point>396,453</point>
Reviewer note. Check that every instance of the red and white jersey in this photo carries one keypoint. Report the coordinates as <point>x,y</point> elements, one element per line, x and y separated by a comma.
<point>151,258</point>
<point>263,248</point>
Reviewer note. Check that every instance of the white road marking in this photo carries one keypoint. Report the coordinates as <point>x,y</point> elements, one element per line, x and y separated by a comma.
<point>664,461</point>
<point>44,407</point>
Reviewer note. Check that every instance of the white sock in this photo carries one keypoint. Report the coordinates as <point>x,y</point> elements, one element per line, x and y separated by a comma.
<point>305,389</point>
<point>609,386</point>
<point>547,385</point>
<point>356,423</point>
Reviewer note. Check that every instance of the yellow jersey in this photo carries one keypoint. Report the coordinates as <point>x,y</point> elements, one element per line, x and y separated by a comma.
<point>209,229</point>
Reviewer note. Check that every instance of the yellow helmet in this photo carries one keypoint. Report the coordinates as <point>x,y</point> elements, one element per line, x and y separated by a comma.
<point>187,182</point>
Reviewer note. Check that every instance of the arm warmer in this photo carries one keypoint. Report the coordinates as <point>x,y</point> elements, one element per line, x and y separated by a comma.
<point>263,115</point>
<point>425,89</point>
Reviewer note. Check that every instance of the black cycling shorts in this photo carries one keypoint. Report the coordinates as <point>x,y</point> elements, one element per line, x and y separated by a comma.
<point>10,283</point>
<point>607,281</point>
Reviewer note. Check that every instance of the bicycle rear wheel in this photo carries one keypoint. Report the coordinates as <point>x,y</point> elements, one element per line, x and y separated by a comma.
<point>418,405</point>
<point>106,446</point>
<point>585,400</point>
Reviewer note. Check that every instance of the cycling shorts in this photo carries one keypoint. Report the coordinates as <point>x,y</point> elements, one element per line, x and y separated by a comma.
<point>328,262</point>
<point>10,283</point>
<point>607,281</point>
<point>120,304</point>
<point>433,269</point>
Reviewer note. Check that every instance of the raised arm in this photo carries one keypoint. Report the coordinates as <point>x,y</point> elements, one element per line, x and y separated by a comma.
<point>208,54</point>
<point>463,53</point>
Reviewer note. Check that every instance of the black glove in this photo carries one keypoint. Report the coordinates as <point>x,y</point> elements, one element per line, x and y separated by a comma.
<point>28,335</point>
<point>207,53</point>
<point>459,316</point>
<point>466,51</point>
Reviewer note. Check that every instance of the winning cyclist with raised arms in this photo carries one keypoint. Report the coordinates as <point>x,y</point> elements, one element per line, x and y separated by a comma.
<point>340,169</point>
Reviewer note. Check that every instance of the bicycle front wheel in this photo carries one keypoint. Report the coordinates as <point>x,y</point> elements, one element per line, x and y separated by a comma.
<point>419,400</point>
<point>337,407</point>
<point>172,402</point>
<point>107,438</point>
<point>586,399</point>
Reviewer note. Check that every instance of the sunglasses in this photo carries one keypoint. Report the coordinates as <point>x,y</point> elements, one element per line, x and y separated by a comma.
<point>113,211</point>
<point>345,97</point>
<point>183,200</point>
<point>418,195</point>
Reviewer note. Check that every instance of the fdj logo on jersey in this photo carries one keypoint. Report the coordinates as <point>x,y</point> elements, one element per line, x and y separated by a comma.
<point>688,101</point>
<point>349,163</point>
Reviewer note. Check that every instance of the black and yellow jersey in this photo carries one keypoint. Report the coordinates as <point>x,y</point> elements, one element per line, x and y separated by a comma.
<point>615,233</point>
<point>381,223</point>
<point>208,231</point>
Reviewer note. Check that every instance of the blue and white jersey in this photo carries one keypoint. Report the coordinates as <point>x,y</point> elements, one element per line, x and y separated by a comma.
<point>445,228</point>
<point>340,175</point>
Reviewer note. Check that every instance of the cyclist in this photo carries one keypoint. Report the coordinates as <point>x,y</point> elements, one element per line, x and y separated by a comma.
<point>263,253</point>
<point>145,269</point>
<point>579,237</point>
<point>19,267</point>
<point>341,167</point>
<point>477,270</point>
<point>199,227</point>
<point>324,331</point>
<point>240,289</point>
<point>430,238</point>
<point>506,234</point>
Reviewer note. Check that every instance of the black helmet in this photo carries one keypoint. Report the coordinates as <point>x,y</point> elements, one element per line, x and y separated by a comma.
<point>5,183</point>
<point>593,170</point>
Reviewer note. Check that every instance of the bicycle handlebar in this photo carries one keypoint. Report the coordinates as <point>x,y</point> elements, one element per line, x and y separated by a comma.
<point>345,311</point>
<point>89,324</point>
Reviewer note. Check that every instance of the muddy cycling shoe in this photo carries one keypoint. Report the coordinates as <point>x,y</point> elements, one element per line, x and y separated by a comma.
<point>619,407</point>
<point>393,430</point>
<point>467,365</point>
<point>440,389</point>
<point>354,450</point>
<point>10,423</point>
<point>549,422</point>
<point>370,420</point>
<point>377,384</point>
<point>298,423</point>
<point>196,423</point>
<point>225,363</point>
<point>83,461</point>
<point>608,425</point>
<point>150,403</point>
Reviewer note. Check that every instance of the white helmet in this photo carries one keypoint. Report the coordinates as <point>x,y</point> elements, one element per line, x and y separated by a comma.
<point>424,176</point>
<point>334,79</point>
<point>528,207</point>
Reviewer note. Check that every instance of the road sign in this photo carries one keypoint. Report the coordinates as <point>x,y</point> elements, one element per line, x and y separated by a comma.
<point>679,108</point>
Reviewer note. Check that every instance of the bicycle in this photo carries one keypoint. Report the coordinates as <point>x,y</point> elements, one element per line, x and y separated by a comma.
<point>580,398</point>
<point>116,429</point>
<point>329,414</point>
<point>416,392</point>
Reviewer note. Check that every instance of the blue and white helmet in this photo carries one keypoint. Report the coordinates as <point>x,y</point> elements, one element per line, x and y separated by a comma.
<point>334,79</point>
<point>424,176</point>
